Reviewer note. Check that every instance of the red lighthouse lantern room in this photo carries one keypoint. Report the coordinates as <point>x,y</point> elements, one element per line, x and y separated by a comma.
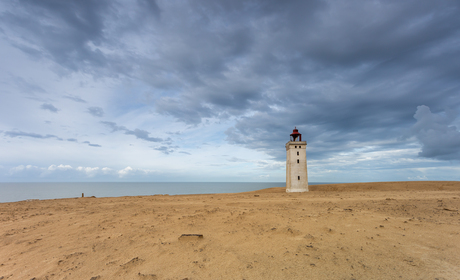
<point>295,135</point>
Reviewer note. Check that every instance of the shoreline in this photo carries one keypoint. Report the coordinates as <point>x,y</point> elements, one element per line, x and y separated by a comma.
<point>327,187</point>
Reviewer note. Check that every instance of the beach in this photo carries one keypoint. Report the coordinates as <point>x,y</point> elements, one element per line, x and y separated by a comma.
<point>390,230</point>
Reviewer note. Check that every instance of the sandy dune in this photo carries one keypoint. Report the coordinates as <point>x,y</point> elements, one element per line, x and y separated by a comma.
<point>400,230</point>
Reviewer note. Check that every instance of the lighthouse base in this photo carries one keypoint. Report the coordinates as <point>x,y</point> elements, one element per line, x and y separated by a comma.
<point>293,190</point>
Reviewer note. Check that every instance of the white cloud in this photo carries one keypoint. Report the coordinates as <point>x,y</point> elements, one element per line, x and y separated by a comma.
<point>21,168</point>
<point>106,170</point>
<point>89,171</point>
<point>129,171</point>
<point>125,171</point>
<point>66,171</point>
<point>54,167</point>
<point>418,178</point>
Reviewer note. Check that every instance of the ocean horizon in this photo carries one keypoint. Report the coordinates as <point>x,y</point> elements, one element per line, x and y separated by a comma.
<point>13,192</point>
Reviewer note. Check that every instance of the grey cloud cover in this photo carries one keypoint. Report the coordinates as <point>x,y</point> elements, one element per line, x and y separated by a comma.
<point>362,78</point>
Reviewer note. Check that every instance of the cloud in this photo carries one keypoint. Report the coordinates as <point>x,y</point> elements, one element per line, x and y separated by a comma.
<point>129,171</point>
<point>66,171</point>
<point>348,75</point>
<point>271,165</point>
<point>47,136</point>
<point>235,159</point>
<point>134,172</point>
<point>438,137</point>
<point>32,135</point>
<point>49,107</point>
<point>80,35</point>
<point>417,178</point>
<point>65,36</point>
<point>106,170</point>
<point>56,170</point>
<point>27,86</point>
<point>139,133</point>
<point>221,64</point>
<point>164,149</point>
<point>75,98</point>
<point>96,111</point>
<point>142,134</point>
<point>124,172</point>
<point>296,71</point>
<point>24,168</point>
<point>92,145</point>
<point>60,167</point>
<point>90,171</point>
<point>151,7</point>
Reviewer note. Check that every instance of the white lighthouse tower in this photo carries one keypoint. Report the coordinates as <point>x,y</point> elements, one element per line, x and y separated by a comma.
<point>296,164</point>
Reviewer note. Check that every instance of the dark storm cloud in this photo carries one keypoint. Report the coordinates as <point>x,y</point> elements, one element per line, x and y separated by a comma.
<point>151,7</point>
<point>347,92</point>
<point>96,111</point>
<point>331,69</point>
<point>49,107</point>
<point>348,74</point>
<point>438,137</point>
<point>139,133</point>
<point>61,30</point>
<point>75,34</point>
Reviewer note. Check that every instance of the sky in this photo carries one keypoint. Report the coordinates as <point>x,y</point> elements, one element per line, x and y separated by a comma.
<point>209,90</point>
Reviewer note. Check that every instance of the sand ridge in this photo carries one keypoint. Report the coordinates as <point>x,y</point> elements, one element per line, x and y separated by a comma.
<point>392,230</point>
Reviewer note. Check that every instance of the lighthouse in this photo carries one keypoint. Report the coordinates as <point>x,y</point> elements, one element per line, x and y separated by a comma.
<point>296,164</point>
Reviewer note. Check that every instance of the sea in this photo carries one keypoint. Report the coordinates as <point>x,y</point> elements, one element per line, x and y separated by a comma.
<point>12,192</point>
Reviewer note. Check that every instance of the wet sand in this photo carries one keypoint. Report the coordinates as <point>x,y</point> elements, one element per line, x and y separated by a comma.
<point>393,230</point>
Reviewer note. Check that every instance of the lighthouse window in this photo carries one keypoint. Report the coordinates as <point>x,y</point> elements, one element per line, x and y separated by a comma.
<point>296,147</point>
<point>297,153</point>
<point>297,161</point>
<point>298,177</point>
<point>300,146</point>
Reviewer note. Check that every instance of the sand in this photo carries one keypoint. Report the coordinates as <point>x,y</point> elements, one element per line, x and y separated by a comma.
<point>393,230</point>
